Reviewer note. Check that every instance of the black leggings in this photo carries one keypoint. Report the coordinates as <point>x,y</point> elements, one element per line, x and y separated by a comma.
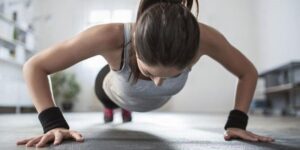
<point>103,98</point>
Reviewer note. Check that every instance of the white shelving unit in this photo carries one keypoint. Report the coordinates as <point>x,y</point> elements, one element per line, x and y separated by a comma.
<point>16,47</point>
<point>12,48</point>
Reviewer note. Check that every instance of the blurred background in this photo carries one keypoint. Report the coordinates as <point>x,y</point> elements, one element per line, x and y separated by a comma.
<point>267,32</point>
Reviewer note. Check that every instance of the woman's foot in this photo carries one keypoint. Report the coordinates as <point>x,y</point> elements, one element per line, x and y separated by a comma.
<point>126,116</point>
<point>108,115</point>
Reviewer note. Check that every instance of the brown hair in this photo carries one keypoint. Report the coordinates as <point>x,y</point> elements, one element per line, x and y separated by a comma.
<point>166,33</point>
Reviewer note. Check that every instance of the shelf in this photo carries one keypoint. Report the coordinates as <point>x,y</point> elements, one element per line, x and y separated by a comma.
<point>11,44</point>
<point>279,88</point>
<point>4,18</point>
<point>278,69</point>
<point>7,43</point>
<point>11,62</point>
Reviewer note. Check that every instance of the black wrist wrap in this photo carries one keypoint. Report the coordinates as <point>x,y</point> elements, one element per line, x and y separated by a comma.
<point>237,119</point>
<point>52,118</point>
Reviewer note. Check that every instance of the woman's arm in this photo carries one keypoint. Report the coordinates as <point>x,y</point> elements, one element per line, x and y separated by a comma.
<point>97,40</point>
<point>218,48</point>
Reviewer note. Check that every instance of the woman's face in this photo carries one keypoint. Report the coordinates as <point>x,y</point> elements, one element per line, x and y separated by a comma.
<point>157,73</point>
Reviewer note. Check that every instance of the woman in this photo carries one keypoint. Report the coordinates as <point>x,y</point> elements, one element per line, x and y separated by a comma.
<point>149,61</point>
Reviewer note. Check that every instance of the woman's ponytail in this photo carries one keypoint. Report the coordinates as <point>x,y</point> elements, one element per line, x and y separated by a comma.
<point>145,4</point>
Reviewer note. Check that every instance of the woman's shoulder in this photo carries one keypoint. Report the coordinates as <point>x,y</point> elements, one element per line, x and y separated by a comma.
<point>209,36</point>
<point>113,34</point>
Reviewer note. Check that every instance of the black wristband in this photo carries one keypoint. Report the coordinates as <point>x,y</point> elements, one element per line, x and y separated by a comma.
<point>237,119</point>
<point>52,118</point>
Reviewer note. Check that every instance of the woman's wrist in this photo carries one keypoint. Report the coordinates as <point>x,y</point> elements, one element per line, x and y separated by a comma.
<point>237,119</point>
<point>51,118</point>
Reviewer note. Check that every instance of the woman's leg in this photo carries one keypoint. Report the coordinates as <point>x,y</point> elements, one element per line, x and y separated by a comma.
<point>108,104</point>
<point>126,115</point>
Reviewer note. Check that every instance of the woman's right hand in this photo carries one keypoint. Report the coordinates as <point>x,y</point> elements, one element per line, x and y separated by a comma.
<point>55,135</point>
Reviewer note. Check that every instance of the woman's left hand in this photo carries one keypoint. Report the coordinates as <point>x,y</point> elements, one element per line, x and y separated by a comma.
<point>235,133</point>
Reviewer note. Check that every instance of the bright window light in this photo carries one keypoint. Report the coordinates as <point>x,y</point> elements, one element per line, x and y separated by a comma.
<point>99,17</point>
<point>122,15</point>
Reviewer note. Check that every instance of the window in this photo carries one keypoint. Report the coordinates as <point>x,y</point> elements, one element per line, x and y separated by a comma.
<point>107,16</point>
<point>99,17</point>
<point>122,15</point>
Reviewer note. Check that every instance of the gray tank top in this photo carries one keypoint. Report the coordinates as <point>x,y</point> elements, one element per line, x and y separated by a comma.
<point>144,95</point>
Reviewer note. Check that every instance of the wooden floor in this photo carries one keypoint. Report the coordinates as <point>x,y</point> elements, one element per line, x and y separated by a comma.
<point>152,130</point>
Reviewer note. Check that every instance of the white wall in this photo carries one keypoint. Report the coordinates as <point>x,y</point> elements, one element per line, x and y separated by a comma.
<point>279,33</point>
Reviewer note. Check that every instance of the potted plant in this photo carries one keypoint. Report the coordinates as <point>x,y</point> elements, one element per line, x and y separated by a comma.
<point>65,89</point>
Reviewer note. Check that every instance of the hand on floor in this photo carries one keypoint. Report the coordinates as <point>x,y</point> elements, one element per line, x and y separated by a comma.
<point>235,133</point>
<point>55,135</point>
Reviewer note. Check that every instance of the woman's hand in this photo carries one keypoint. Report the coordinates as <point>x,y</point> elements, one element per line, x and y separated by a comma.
<point>235,133</point>
<point>56,135</point>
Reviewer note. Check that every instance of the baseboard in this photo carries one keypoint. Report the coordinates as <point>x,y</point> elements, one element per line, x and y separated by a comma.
<point>12,109</point>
